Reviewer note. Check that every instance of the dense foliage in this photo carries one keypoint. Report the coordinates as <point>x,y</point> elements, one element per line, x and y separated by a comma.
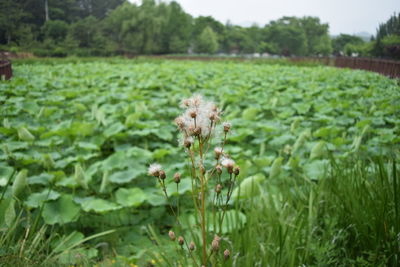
<point>388,38</point>
<point>79,137</point>
<point>99,27</point>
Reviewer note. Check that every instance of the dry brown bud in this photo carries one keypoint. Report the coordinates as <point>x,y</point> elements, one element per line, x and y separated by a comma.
<point>230,169</point>
<point>218,188</point>
<point>193,114</point>
<point>236,170</point>
<point>180,122</point>
<point>197,131</point>
<point>227,254</point>
<point>212,116</point>
<point>192,246</point>
<point>162,175</point>
<point>172,235</point>
<point>177,177</point>
<point>187,143</point>
<point>215,245</point>
<point>181,240</point>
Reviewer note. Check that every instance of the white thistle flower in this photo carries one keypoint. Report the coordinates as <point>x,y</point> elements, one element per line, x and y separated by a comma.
<point>227,163</point>
<point>154,169</point>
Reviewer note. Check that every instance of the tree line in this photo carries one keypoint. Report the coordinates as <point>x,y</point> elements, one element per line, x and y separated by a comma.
<point>115,27</point>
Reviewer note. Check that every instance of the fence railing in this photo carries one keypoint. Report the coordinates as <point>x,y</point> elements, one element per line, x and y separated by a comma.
<point>390,68</point>
<point>5,69</point>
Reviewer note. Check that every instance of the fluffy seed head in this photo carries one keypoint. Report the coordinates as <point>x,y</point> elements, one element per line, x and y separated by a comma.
<point>154,169</point>
<point>180,122</point>
<point>192,246</point>
<point>171,235</point>
<point>214,116</point>
<point>198,118</point>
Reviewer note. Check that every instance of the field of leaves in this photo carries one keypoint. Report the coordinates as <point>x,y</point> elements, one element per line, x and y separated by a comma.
<point>84,134</point>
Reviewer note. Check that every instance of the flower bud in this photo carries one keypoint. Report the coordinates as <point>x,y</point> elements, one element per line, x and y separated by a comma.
<point>202,169</point>
<point>192,246</point>
<point>227,126</point>
<point>236,170</point>
<point>227,254</point>
<point>177,177</point>
<point>215,245</point>
<point>218,152</point>
<point>172,235</point>
<point>162,175</point>
<point>228,164</point>
<point>216,237</point>
<point>219,169</point>
<point>218,188</point>
<point>181,241</point>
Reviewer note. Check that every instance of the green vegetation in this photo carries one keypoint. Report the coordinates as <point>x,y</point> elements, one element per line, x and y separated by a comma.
<point>60,28</point>
<point>317,149</point>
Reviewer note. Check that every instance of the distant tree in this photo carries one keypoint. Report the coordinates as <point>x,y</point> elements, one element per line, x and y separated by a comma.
<point>288,36</point>
<point>12,18</point>
<point>120,26</point>
<point>138,29</point>
<point>386,44</point>
<point>318,41</point>
<point>97,8</point>
<point>200,23</point>
<point>207,42</point>
<point>238,40</point>
<point>56,30</point>
<point>176,30</point>
<point>86,33</point>
<point>339,43</point>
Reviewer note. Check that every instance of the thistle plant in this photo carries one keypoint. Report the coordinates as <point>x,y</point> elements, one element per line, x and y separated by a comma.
<point>213,174</point>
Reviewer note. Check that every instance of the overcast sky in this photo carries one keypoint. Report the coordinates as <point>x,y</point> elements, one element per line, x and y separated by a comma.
<point>343,16</point>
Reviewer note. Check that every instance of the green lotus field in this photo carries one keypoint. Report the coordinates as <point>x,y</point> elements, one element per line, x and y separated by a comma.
<point>317,148</point>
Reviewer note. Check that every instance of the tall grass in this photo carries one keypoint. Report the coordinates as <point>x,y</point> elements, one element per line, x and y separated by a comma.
<point>349,218</point>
